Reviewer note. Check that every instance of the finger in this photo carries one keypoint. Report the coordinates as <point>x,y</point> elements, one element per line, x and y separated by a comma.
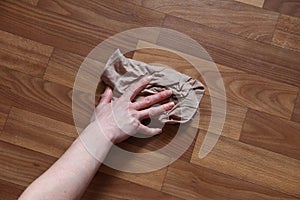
<point>135,88</point>
<point>106,96</point>
<point>154,111</point>
<point>150,100</point>
<point>149,131</point>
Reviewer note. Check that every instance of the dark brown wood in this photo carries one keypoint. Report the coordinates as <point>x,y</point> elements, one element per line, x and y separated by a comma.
<point>190,181</point>
<point>272,133</point>
<point>250,163</point>
<point>287,33</point>
<point>228,16</point>
<point>71,34</point>
<point>44,42</point>
<point>108,187</point>
<point>4,110</point>
<point>288,7</point>
<point>296,113</point>
<point>10,191</point>
<point>23,55</point>
<point>235,52</point>
<point>47,98</point>
<point>20,166</point>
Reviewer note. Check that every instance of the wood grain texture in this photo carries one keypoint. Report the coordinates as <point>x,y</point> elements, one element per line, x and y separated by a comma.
<point>152,180</point>
<point>52,138</point>
<point>287,33</point>
<point>226,16</point>
<point>10,191</point>
<point>31,2</point>
<point>257,3</point>
<point>272,133</point>
<point>4,110</point>
<point>44,42</point>
<point>190,181</point>
<point>63,67</point>
<point>244,89</point>
<point>288,7</point>
<point>288,24</point>
<point>296,113</point>
<point>67,33</point>
<point>20,166</point>
<point>47,98</point>
<point>38,133</point>
<point>108,187</point>
<point>235,116</point>
<point>250,163</point>
<point>286,40</point>
<point>250,56</point>
<point>104,13</point>
<point>23,55</point>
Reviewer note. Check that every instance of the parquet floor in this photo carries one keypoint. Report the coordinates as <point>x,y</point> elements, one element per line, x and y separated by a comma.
<point>255,44</point>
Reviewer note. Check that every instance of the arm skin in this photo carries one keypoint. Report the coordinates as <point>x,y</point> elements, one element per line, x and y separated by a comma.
<point>71,174</point>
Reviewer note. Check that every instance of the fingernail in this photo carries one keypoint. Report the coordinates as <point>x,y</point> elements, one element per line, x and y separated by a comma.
<point>149,78</point>
<point>171,104</point>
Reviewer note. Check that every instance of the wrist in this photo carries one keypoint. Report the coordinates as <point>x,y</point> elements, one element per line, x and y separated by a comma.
<point>94,140</point>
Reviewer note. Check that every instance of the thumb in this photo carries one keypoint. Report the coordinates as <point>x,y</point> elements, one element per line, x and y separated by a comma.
<point>106,96</point>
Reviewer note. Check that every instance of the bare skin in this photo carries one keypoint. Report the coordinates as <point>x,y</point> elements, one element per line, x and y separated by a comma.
<point>71,174</point>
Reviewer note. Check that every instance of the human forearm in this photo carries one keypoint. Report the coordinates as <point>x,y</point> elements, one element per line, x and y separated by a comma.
<point>71,174</point>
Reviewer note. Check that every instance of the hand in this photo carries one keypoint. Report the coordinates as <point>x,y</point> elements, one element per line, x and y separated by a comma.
<point>120,119</point>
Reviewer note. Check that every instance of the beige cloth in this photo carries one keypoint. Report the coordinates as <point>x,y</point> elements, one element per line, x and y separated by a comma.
<point>120,72</point>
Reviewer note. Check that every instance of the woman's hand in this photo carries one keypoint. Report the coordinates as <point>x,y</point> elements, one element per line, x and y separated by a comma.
<point>120,119</point>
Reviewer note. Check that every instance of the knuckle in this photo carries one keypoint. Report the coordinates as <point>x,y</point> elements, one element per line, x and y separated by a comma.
<point>134,115</point>
<point>136,123</point>
<point>147,100</point>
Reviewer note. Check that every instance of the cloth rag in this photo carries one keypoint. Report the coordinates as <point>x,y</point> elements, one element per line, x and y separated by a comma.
<point>120,72</point>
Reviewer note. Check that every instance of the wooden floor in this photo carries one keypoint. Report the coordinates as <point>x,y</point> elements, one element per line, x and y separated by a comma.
<point>256,45</point>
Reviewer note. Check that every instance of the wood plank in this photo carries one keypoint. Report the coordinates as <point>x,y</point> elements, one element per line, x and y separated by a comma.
<point>63,67</point>
<point>226,16</point>
<point>257,3</point>
<point>52,138</point>
<point>286,40</point>
<point>235,116</point>
<point>47,98</point>
<point>21,166</point>
<point>152,180</point>
<point>249,163</point>
<point>296,113</point>
<point>10,191</point>
<point>287,33</point>
<point>23,55</point>
<point>108,187</point>
<point>109,14</point>
<point>288,24</point>
<point>38,133</point>
<point>272,133</point>
<point>31,2</point>
<point>288,7</point>
<point>250,56</point>
<point>77,36</point>
<point>244,89</point>
<point>4,110</point>
<point>188,181</point>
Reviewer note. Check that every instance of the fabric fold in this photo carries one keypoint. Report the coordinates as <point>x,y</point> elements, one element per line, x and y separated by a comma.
<point>120,72</point>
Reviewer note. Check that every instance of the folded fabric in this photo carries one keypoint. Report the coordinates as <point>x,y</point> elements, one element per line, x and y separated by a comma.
<point>120,72</point>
